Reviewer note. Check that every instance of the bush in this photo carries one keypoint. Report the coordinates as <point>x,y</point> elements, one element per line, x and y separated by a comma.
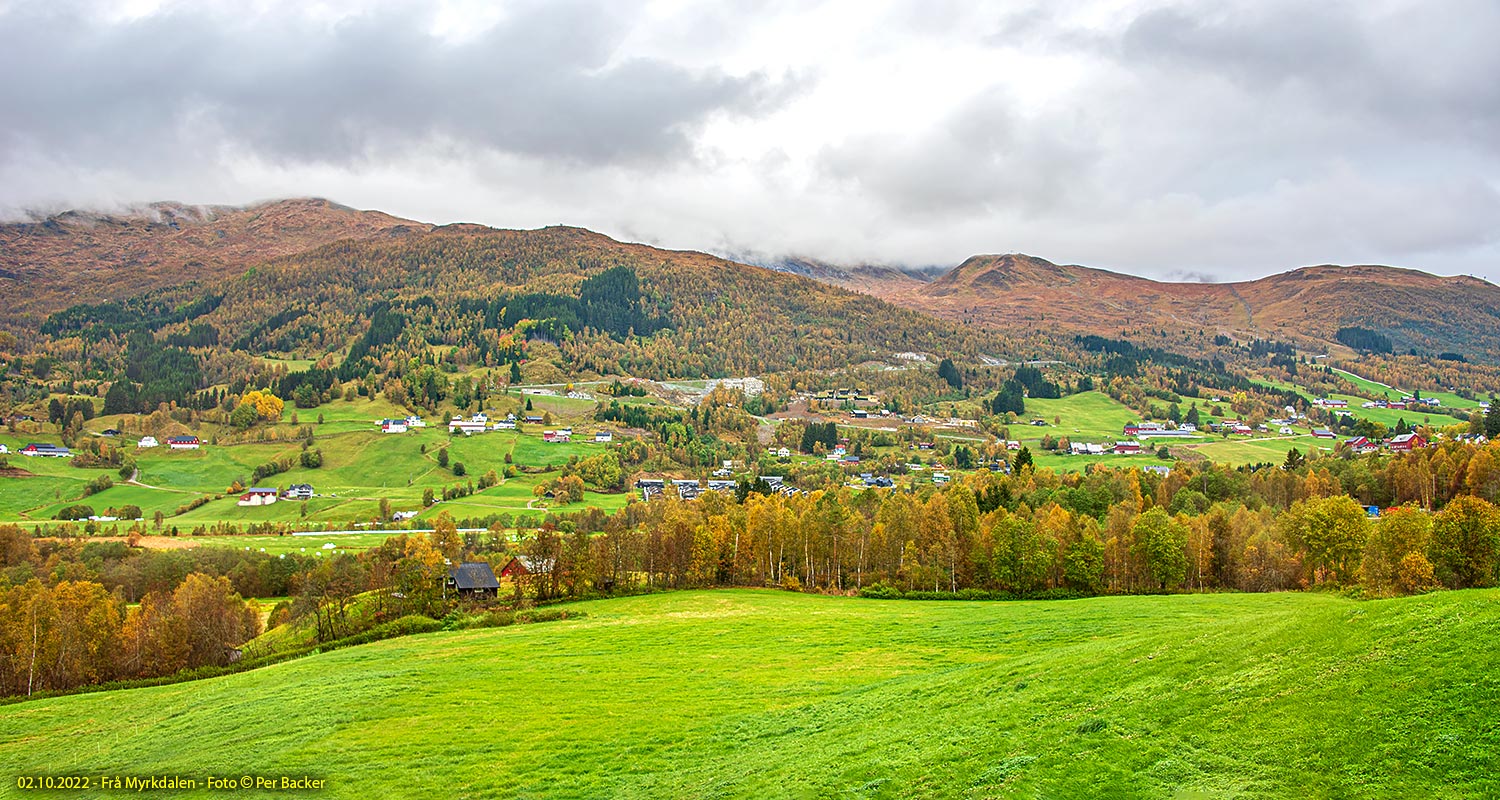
<point>880,591</point>
<point>75,512</point>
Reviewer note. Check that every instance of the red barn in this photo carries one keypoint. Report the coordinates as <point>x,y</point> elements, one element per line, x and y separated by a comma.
<point>525,565</point>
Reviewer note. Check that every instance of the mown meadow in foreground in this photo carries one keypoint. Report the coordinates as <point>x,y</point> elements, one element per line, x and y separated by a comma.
<point>771,694</point>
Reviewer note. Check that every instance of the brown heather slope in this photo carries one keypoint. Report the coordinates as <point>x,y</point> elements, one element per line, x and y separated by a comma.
<point>1019,293</point>
<point>82,257</point>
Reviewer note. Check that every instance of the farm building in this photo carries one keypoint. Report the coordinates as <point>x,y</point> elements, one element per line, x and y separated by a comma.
<point>393,426</point>
<point>1360,444</point>
<point>257,497</point>
<point>183,442</point>
<point>467,427</point>
<point>1127,448</point>
<point>1323,433</point>
<point>45,450</point>
<point>557,436</point>
<point>473,579</point>
<point>147,442</point>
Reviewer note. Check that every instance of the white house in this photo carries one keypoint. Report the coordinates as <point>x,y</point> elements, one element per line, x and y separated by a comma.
<point>147,442</point>
<point>298,491</point>
<point>415,421</point>
<point>393,426</point>
<point>783,453</point>
<point>505,425</point>
<point>604,436</point>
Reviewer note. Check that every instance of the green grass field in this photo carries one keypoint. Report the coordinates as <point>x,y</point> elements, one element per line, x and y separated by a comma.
<point>769,694</point>
<point>1091,416</point>
<point>1258,449</point>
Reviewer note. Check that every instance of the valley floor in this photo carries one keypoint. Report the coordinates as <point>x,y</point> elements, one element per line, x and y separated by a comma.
<point>773,694</point>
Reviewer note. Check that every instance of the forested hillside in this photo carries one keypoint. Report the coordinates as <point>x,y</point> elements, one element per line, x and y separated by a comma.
<point>560,302</point>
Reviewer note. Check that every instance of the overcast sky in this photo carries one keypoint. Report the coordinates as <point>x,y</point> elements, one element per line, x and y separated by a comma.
<point>1169,139</point>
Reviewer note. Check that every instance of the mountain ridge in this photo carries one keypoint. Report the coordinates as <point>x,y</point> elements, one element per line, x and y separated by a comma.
<point>82,256</point>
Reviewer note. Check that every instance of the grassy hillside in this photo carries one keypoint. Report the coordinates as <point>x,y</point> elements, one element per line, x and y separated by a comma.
<point>741,693</point>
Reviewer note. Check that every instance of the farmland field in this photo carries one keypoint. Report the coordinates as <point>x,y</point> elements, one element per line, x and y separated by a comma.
<point>771,694</point>
<point>1091,416</point>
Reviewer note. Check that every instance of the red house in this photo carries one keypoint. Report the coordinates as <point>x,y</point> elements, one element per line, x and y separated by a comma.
<point>1127,448</point>
<point>1406,442</point>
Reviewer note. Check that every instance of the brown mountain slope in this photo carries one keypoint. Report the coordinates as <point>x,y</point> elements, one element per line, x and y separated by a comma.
<point>82,257</point>
<point>1415,309</point>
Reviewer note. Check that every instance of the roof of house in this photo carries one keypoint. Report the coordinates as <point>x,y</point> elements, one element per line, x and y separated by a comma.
<point>182,439</point>
<point>474,575</point>
<point>260,491</point>
<point>44,446</point>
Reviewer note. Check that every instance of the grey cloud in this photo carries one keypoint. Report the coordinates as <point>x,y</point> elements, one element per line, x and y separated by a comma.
<point>541,83</point>
<point>1420,68</point>
<point>979,159</point>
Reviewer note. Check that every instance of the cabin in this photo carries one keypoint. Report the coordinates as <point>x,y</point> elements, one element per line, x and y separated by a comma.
<point>526,565</point>
<point>298,491</point>
<point>473,579</point>
<point>1127,448</point>
<point>257,497</point>
<point>110,432</point>
<point>44,450</point>
<point>1406,442</point>
<point>183,442</point>
<point>601,437</point>
<point>147,442</point>
<point>393,426</point>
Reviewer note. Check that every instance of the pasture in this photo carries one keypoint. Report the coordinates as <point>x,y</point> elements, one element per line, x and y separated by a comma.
<point>771,694</point>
